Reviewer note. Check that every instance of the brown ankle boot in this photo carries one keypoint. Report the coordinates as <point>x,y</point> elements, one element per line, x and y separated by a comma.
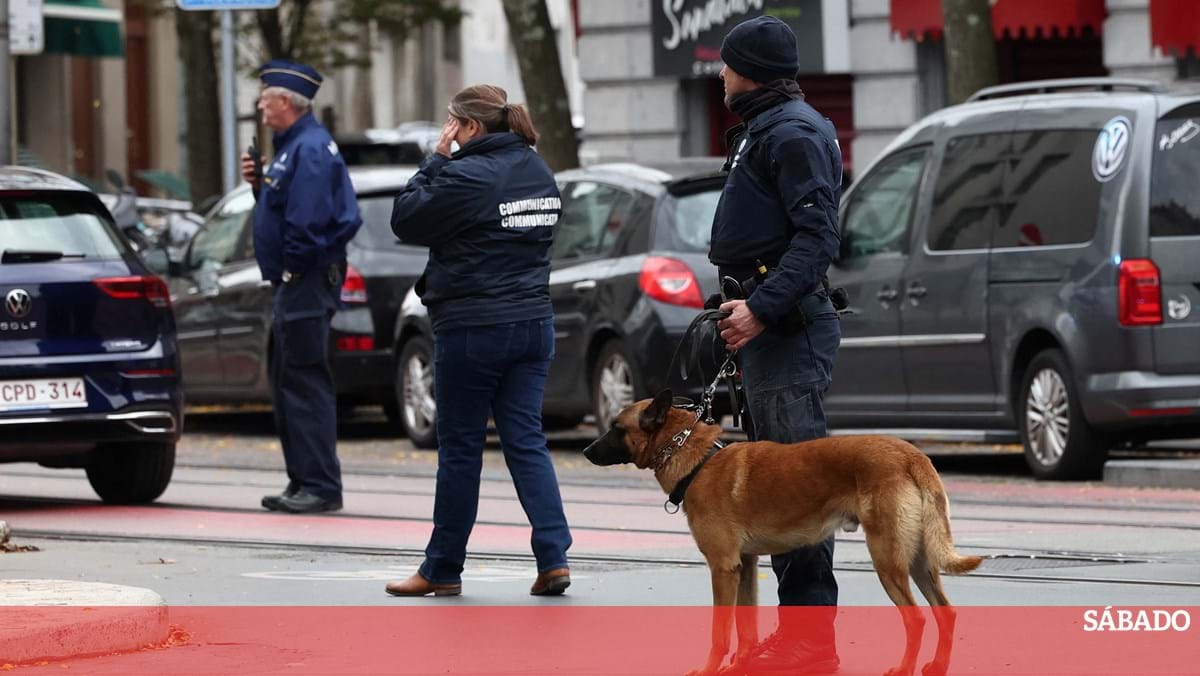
<point>417,585</point>
<point>552,582</point>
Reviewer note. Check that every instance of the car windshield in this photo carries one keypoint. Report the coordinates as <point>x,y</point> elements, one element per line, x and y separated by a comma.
<point>52,222</point>
<point>381,154</point>
<point>1174,200</point>
<point>376,231</point>
<point>690,217</point>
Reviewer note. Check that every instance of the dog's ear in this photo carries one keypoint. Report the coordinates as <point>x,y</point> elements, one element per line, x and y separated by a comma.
<point>655,414</point>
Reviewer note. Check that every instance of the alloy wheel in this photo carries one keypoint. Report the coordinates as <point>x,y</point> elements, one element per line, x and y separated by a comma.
<point>1047,416</point>
<point>615,390</point>
<point>420,410</point>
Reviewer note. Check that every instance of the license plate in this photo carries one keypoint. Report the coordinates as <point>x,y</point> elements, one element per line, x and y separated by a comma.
<point>18,395</point>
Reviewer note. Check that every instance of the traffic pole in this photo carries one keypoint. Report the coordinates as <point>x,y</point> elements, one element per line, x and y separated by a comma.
<point>229,119</point>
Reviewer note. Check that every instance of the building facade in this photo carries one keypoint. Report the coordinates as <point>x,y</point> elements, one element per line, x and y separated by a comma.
<point>872,66</point>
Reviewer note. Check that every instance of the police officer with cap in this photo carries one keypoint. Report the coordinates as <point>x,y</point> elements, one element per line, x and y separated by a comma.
<point>306,214</point>
<point>774,234</point>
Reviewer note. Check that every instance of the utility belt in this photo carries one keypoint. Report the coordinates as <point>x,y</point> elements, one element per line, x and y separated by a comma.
<point>738,282</point>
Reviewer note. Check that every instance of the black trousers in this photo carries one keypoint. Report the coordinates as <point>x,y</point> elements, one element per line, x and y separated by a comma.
<point>305,399</point>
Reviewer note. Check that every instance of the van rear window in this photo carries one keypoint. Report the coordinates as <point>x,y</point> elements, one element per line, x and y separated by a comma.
<point>1174,193</point>
<point>1050,194</point>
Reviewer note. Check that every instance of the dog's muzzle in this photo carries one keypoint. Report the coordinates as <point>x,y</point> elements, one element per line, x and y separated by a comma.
<point>609,449</point>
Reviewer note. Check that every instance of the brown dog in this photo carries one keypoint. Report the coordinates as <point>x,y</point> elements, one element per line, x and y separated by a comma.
<point>761,498</point>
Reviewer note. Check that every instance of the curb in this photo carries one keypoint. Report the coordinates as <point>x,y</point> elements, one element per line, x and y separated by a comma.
<point>43,620</point>
<point>1173,473</point>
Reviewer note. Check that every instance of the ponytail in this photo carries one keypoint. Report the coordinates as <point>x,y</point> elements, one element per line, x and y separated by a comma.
<point>521,124</point>
<point>488,105</point>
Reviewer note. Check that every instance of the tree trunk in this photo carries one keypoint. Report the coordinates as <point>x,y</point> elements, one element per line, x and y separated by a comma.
<point>970,47</point>
<point>364,91</point>
<point>541,74</point>
<point>200,107</point>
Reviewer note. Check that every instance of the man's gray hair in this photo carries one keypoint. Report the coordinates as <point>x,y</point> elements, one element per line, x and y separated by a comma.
<point>300,103</point>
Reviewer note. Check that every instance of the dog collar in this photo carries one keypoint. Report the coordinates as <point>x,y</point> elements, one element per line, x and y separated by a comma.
<point>675,499</point>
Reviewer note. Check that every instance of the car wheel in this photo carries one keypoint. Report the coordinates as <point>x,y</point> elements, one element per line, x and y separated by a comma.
<point>614,385</point>
<point>131,474</point>
<point>1059,442</point>
<point>414,393</point>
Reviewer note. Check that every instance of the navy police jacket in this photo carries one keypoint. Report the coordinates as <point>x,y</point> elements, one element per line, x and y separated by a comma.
<point>487,215</point>
<point>307,211</point>
<point>780,206</point>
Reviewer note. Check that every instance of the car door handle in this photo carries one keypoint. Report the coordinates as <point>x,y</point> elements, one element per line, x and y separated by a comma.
<point>887,295</point>
<point>585,286</point>
<point>915,290</point>
<point>212,293</point>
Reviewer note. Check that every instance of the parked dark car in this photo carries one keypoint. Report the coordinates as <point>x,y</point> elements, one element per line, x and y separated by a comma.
<point>1025,264</point>
<point>405,145</point>
<point>630,272</point>
<point>223,306</point>
<point>89,372</point>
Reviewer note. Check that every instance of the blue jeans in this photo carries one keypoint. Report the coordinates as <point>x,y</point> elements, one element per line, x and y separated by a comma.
<point>500,370</point>
<point>786,377</point>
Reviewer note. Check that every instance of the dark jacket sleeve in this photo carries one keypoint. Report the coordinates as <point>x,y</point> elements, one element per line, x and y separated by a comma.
<point>804,175</point>
<point>441,200</point>
<point>310,209</point>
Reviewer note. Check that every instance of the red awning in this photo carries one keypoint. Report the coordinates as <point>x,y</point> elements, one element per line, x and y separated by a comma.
<point>919,19</point>
<point>1175,25</point>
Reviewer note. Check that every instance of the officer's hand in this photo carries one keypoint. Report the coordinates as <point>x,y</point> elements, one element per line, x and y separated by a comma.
<point>449,132</point>
<point>740,327</point>
<point>248,170</point>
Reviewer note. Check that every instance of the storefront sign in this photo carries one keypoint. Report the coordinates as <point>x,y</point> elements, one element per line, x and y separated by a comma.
<point>688,33</point>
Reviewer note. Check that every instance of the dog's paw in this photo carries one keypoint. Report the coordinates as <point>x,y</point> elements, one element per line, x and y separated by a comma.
<point>934,668</point>
<point>898,671</point>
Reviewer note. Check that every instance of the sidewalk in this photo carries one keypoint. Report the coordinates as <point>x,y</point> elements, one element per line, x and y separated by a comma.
<point>43,620</point>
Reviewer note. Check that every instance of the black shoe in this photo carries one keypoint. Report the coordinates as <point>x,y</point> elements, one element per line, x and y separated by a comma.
<point>271,502</point>
<point>777,654</point>
<point>304,502</point>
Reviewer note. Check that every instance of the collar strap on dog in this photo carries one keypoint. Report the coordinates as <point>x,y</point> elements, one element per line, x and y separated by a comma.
<point>675,499</point>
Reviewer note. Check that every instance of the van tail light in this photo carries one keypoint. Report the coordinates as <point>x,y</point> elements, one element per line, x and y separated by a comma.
<point>146,287</point>
<point>354,289</point>
<point>1139,293</point>
<point>671,281</point>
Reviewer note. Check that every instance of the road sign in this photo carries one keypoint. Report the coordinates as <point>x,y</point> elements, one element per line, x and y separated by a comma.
<point>226,4</point>
<point>25,34</point>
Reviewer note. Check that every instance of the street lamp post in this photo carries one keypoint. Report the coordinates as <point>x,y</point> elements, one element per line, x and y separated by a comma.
<point>6,144</point>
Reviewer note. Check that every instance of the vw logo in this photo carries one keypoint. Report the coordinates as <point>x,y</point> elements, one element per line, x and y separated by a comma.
<point>1111,146</point>
<point>1179,309</point>
<point>18,303</point>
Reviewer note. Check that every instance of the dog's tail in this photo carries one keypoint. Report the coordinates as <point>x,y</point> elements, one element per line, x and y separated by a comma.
<point>939,545</point>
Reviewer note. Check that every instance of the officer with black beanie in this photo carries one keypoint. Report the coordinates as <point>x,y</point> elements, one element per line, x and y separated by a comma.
<point>775,232</point>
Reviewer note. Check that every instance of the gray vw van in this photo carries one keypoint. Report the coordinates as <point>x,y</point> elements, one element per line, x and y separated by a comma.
<point>1028,264</point>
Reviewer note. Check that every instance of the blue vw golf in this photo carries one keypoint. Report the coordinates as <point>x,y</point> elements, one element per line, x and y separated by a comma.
<point>89,371</point>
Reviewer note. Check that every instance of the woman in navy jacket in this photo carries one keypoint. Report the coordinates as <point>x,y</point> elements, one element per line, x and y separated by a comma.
<point>488,214</point>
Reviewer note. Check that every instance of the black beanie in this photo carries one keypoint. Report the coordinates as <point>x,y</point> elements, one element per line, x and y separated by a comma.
<point>762,49</point>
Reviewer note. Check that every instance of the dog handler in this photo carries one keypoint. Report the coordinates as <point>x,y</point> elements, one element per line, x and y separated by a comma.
<point>488,214</point>
<point>775,231</point>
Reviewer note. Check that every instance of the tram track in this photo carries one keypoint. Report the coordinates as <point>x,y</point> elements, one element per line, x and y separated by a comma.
<point>764,562</point>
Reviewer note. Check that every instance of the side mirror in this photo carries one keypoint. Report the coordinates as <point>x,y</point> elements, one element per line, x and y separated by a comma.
<point>157,260</point>
<point>189,259</point>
